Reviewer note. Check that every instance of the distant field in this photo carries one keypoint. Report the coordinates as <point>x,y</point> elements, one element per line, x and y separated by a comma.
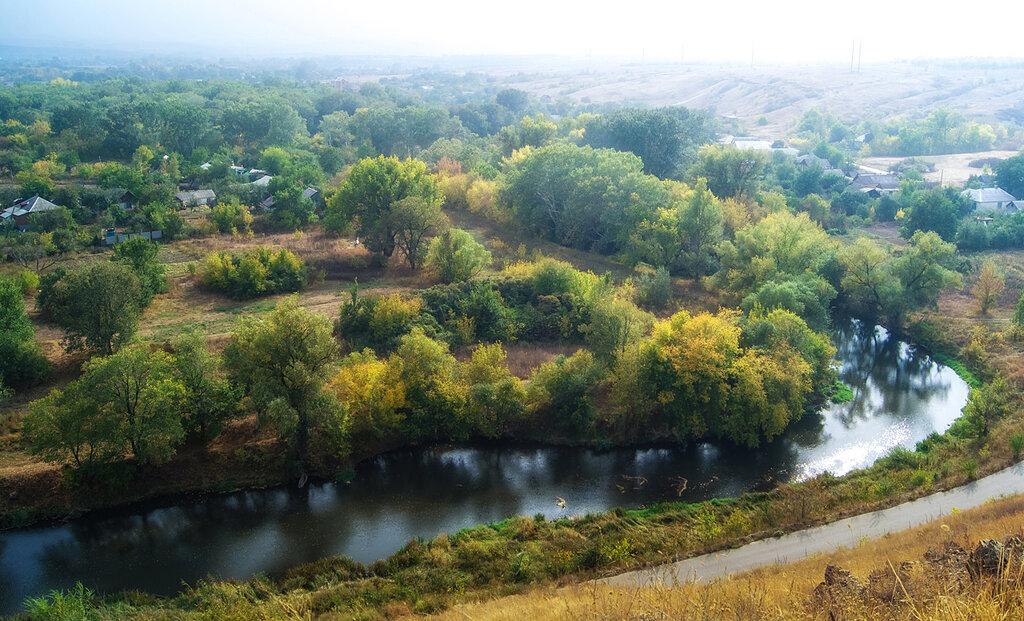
<point>783,93</point>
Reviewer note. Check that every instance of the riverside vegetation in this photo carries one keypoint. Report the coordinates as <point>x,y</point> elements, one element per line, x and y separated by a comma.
<point>721,270</point>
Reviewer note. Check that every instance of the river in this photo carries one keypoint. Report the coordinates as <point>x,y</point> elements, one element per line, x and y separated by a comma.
<point>901,396</point>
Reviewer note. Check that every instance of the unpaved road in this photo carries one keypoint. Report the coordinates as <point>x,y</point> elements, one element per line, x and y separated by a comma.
<point>844,533</point>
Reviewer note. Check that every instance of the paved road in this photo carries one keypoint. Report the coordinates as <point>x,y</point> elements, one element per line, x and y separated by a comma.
<point>844,533</point>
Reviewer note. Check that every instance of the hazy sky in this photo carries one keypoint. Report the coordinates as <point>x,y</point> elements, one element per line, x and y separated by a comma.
<point>717,30</point>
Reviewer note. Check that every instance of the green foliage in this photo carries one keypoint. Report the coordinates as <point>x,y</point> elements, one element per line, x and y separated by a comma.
<point>666,139</point>
<point>682,236</point>
<point>77,604</point>
<point>455,256</point>
<point>412,220</point>
<point>434,397</point>
<point>934,210</point>
<point>590,199</point>
<point>1010,175</point>
<point>255,273</point>
<point>654,291</point>
<point>1017,445</point>
<point>842,394</point>
<point>281,362</point>
<point>21,360</point>
<point>98,306</point>
<point>779,248</point>
<point>208,400</point>
<point>140,256</point>
<point>559,393</point>
<point>730,172</point>
<point>1018,311</point>
<point>232,217</point>
<point>706,376</point>
<point>877,281</point>
<point>291,210</point>
<point>125,403</point>
<point>368,194</point>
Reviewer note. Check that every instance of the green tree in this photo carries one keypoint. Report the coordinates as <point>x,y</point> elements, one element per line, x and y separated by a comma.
<point>923,270</point>
<point>778,248</point>
<point>208,400</point>
<point>21,360</point>
<point>232,217</point>
<point>932,210</point>
<point>367,195</point>
<point>456,256</point>
<point>413,219</point>
<point>140,256</point>
<point>136,388</point>
<point>127,402</point>
<point>1010,175</point>
<point>97,306</point>
<point>730,171</point>
<point>666,139</point>
<point>282,361</point>
<point>274,160</point>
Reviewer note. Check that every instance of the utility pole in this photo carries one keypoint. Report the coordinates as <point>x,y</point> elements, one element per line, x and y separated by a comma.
<point>860,52</point>
<point>853,48</point>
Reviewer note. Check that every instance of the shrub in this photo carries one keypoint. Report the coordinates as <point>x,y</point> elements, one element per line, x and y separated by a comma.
<point>456,256</point>
<point>28,281</point>
<point>255,273</point>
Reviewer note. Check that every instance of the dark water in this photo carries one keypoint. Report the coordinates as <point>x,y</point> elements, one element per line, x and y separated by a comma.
<point>901,397</point>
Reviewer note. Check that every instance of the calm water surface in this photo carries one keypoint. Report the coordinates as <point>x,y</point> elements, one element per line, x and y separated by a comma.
<point>901,397</point>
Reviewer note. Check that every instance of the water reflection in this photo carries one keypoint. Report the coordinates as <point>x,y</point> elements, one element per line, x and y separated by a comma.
<point>901,396</point>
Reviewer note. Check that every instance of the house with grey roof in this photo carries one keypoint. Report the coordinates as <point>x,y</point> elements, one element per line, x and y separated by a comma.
<point>811,159</point>
<point>22,210</point>
<point>196,198</point>
<point>996,199</point>
<point>875,184</point>
<point>263,181</point>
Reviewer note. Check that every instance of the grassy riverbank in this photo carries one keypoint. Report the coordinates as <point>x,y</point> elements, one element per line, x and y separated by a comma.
<point>922,590</point>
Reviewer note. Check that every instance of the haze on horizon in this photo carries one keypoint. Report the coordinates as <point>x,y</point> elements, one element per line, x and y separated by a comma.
<point>795,31</point>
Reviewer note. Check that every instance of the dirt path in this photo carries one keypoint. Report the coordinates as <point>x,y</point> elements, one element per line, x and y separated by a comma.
<point>844,533</point>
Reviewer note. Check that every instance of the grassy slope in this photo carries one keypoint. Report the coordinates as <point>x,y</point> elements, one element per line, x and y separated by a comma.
<point>786,592</point>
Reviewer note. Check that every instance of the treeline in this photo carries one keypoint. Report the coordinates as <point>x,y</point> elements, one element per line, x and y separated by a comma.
<point>942,131</point>
<point>400,383</point>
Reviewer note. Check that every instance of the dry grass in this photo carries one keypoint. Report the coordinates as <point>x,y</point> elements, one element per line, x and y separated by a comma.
<point>523,358</point>
<point>786,592</point>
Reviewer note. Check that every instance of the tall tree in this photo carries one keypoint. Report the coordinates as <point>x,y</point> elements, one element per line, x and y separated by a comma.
<point>140,256</point>
<point>21,360</point>
<point>729,171</point>
<point>369,192</point>
<point>1010,175</point>
<point>98,306</point>
<point>413,219</point>
<point>282,361</point>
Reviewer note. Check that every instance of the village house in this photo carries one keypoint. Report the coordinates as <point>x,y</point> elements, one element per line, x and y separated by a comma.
<point>23,209</point>
<point>196,198</point>
<point>875,184</point>
<point>996,199</point>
